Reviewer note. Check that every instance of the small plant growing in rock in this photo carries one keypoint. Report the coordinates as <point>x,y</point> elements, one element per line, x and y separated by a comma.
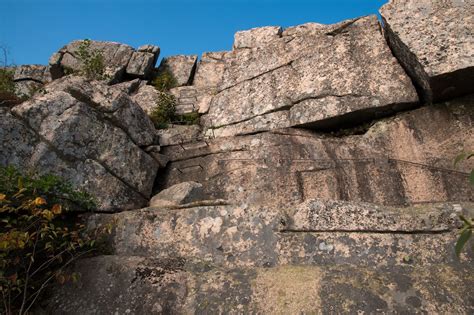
<point>92,60</point>
<point>164,80</point>
<point>7,85</point>
<point>188,118</point>
<point>468,224</point>
<point>165,111</point>
<point>39,236</point>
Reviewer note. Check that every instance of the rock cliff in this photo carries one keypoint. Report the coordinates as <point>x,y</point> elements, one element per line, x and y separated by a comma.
<point>319,179</point>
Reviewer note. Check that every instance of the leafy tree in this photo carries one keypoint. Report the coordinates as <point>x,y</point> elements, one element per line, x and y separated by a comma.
<point>40,236</point>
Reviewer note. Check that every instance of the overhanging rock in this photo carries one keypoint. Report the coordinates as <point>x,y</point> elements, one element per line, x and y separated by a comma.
<point>322,76</point>
<point>433,41</point>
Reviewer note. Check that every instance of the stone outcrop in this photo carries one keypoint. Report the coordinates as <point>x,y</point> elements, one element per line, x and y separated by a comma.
<point>316,181</point>
<point>181,67</point>
<point>322,77</point>
<point>257,36</point>
<point>119,59</point>
<point>223,259</point>
<point>88,133</point>
<point>147,98</point>
<point>433,41</point>
<point>179,194</point>
<point>406,159</point>
<point>30,78</point>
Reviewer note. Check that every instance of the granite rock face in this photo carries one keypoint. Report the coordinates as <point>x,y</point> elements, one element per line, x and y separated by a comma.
<point>315,182</point>
<point>146,97</point>
<point>401,160</point>
<point>321,78</point>
<point>181,67</point>
<point>226,259</point>
<point>257,36</point>
<point>433,41</point>
<point>30,78</point>
<point>119,59</point>
<point>88,133</point>
<point>181,193</point>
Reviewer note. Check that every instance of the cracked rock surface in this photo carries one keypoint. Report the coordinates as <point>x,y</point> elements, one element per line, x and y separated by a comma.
<point>319,78</point>
<point>88,133</point>
<point>433,41</point>
<point>319,179</point>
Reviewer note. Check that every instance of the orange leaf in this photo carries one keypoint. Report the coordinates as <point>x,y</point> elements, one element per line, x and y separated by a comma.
<point>39,201</point>
<point>2,197</point>
<point>56,209</point>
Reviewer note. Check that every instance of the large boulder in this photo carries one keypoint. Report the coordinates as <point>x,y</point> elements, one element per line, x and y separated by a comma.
<point>87,133</point>
<point>119,59</point>
<point>181,68</point>
<point>256,36</point>
<point>321,76</point>
<point>433,41</point>
<point>30,78</point>
<point>178,194</point>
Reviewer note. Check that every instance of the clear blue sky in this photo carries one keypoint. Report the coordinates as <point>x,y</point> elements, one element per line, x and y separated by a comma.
<point>33,29</point>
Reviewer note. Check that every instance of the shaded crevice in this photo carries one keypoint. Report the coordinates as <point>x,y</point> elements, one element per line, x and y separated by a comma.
<point>357,118</point>
<point>279,109</point>
<point>369,231</point>
<point>28,79</point>
<point>410,63</point>
<point>203,155</point>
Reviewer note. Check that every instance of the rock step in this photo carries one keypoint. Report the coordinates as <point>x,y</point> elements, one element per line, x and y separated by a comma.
<point>138,285</point>
<point>313,233</point>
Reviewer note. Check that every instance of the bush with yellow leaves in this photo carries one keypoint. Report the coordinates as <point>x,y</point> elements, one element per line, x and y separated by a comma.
<point>39,236</point>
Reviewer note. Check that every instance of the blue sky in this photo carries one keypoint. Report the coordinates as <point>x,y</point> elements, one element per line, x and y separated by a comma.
<point>33,29</point>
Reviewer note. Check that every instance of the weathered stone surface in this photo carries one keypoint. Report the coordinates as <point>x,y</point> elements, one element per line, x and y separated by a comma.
<point>405,159</point>
<point>248,235</point>
<point>38,73</point>
<point>210,70</point>
<point>186,99</point>
<point>318,79</point>
<point>179,134</point>
<point>116,57</point>
<point>256,36</point>
<point>130,87</point>
<point>146,97</point>
<point>433,41</point>
<point>235,259</point>
<point>30,78</point>
<point>141,64</point>
<point>181,67</point>
<point>178,194</point>
<point>119,59</point>
<point>175,286</point>
<point>87,133</point>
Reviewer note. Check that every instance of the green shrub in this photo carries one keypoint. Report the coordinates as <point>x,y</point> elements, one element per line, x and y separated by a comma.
<point>7,85</point>
<point>164,80</point>
<point>165,111</point>
<point>92,61</point>
<point>188,119</point>
<point>39,236</point>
